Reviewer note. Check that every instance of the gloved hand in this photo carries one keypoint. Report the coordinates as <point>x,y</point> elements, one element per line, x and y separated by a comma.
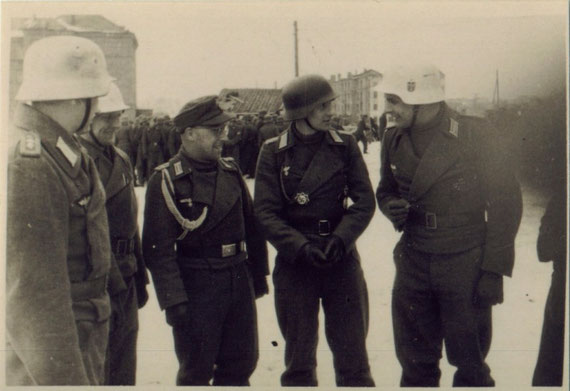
<point>177,315</point>
<point>489,290</point>
<point>142,294</point>
<point>334,251</point>
<point>397,211</point>
<point>312,255</point>
<point>260,287</point>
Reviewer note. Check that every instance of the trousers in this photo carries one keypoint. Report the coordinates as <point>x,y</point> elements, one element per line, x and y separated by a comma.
<point>432,304</point>
<point>300,289</point>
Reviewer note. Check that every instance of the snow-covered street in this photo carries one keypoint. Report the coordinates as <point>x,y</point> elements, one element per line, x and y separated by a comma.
<point>517,322</point>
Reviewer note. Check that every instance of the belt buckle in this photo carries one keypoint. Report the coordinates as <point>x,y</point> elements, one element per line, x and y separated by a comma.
<point>324,228</point>
<point>228,250</point>
<point>431,220</point>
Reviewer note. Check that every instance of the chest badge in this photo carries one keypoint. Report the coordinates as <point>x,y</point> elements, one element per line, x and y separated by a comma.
<point>393,167</point>
<point>453,128</point>
<point>286,170</point>
<point>302,198</point>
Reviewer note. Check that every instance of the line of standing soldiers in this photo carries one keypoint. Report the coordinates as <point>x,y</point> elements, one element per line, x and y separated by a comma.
<point>149,142</point>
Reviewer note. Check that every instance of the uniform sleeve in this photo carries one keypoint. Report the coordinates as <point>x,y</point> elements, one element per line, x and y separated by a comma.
<point>160,231</point>
<point>40,323</point>
<point>357,217</point>
<point>387,187</point>
<point>269,205</point>
<point>141,275</point>
<point>503,201</point>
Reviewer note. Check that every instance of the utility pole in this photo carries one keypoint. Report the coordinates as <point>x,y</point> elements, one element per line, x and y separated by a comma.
<point>496,98</point>
<point>296,51</point>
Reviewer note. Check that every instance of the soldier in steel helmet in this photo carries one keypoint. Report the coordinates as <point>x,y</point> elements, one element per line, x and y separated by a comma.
<point>58,253</point>
<point>205,252</point>
<point>305,179</point>
<point>448,185</point>
<point>128,276</point>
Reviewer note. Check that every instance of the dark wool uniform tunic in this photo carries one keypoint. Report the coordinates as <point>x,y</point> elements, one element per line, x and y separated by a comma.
<point>465,211</point>
<point>300,191</point>
<point>551,246</point>
<point>57,261</point>
<point>207,268</point>
<point>128,276</point>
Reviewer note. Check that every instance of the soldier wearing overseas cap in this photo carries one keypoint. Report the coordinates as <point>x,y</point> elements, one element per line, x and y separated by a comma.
<point>128,276</point>
<point>447,184</point>
<point>304,179</point>
<point>205,252</point>
<point>58,253</point>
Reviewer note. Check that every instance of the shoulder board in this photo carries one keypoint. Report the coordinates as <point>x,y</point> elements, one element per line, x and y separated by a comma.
<point>30,144</point>
<point>228,163</point>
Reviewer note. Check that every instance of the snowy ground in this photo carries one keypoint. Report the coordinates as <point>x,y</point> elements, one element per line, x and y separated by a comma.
<point>517,322</point>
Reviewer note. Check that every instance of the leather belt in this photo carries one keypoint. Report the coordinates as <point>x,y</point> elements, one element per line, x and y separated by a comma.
<point>433,221</point>
<point>122,247</point>
<point>321,227</point>
<point>220,251</point>
<point>89,289</point>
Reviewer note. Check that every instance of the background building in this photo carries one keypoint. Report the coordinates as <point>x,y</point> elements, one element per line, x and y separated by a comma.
<point>358,94</point>
<point>255,100</point>
<point>118,44</point>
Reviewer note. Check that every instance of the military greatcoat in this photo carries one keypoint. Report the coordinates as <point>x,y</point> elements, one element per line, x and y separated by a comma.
<point>128,276</point>
<point>58,258</point>
<point>204,249</point>
<point>465,209</point>
<point>297,205</point>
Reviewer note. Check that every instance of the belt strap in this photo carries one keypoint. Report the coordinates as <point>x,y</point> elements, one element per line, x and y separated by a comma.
<point>89,289</point>
<point>122,247</point>
<point>434,221</point>
<point>219,251</point>
<point>322,227</point>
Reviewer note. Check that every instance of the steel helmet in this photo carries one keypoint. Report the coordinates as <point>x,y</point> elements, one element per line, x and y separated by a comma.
<point>415,85</point>
<point>302,94</point>
<point>112,102</point>
<point>62,68</point>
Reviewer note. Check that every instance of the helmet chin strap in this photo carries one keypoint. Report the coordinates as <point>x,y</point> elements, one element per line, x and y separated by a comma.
<point>86,114</point>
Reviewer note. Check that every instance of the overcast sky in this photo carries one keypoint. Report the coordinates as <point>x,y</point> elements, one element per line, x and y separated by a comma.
<point>188,49</point>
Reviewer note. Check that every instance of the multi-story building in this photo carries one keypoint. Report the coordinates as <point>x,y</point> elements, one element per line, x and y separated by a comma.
<point>118,44</point>
<point>358,94</point>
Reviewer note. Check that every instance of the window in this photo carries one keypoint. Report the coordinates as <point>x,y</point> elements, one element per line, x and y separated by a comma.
<point>375,107</point>
<point>375,94</point>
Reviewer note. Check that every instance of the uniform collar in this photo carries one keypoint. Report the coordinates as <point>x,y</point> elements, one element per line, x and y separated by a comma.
<point>286,139</point>
<point>61,145</point>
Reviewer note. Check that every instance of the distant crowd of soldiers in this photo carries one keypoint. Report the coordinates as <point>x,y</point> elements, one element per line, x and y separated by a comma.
<point>150,141</point>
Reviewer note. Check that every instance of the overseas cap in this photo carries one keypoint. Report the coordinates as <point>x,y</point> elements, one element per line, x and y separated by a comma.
<point>201,111</point>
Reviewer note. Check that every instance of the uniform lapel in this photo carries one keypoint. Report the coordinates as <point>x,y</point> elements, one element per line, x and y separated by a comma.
<point>117,180</point>
<point>324,165</point>
<point>226,196</point>
<point>440,155</point>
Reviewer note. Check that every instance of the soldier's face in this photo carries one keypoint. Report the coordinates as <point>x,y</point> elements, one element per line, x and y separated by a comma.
<point>320,117</point>
<point>104,127</point>
<point>207,142</point>
<point>401,113</point>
